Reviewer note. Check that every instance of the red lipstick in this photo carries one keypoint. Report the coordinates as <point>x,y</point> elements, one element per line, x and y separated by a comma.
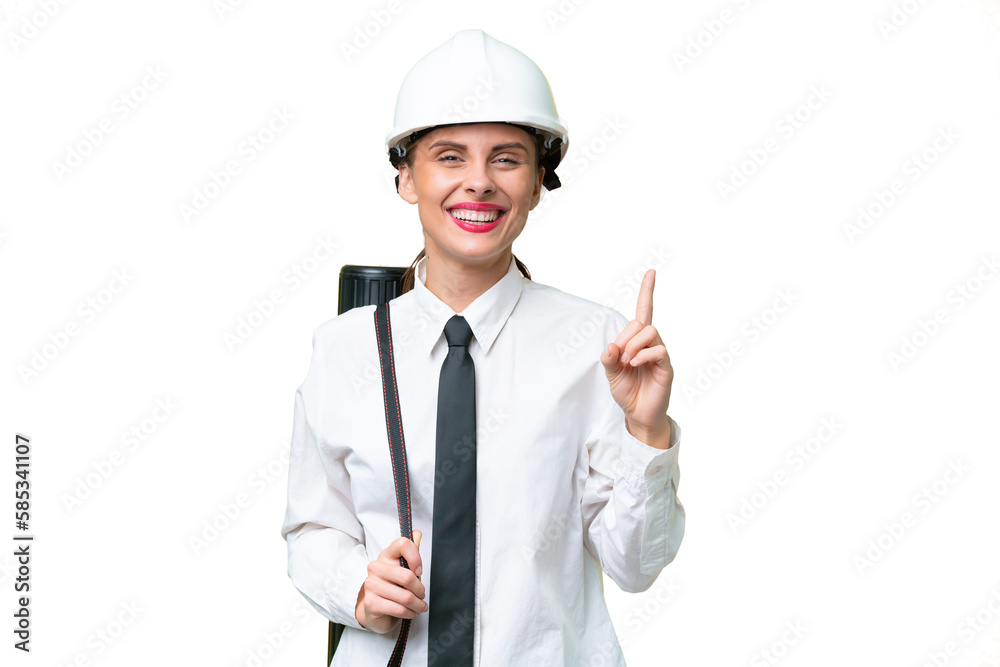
<point>477,227</point>
<point>477,206</point>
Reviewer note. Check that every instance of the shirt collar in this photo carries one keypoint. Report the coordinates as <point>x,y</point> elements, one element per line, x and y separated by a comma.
<point>486,315</point>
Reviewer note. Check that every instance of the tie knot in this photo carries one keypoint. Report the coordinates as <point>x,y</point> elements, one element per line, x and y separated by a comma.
<point>457,332</point>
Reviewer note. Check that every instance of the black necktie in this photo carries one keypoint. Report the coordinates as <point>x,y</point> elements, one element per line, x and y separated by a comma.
<point>453,555</point>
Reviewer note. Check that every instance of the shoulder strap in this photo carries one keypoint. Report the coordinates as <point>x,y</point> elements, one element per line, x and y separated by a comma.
<point>397,449</point>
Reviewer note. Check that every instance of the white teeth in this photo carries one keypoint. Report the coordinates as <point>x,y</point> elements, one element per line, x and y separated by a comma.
<point>475,216</point>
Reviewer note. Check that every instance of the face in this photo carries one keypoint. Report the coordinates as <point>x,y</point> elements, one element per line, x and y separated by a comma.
<point>474,186</point>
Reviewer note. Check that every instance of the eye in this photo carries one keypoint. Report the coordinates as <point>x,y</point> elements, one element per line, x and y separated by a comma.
<point>509,160</point>
<point>448,158</point>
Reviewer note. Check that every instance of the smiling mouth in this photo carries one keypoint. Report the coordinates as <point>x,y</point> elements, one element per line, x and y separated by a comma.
<point>476,217</point>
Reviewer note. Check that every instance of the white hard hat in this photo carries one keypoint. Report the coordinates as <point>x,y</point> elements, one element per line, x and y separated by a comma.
<point>473,78</point>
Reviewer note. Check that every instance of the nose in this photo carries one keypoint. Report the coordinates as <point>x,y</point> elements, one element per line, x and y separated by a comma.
<point>479,179</point>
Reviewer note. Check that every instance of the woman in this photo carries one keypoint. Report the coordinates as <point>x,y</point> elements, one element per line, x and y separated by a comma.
<point>573,462</point>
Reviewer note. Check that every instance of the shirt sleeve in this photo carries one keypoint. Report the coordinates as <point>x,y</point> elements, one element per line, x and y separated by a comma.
<point>632,518</point>
<point>327,558</point>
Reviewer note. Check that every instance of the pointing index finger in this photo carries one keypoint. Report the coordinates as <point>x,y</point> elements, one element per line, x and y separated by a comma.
<point>644,305</point>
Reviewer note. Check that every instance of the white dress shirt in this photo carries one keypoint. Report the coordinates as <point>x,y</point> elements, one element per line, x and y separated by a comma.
<point>562,487</point>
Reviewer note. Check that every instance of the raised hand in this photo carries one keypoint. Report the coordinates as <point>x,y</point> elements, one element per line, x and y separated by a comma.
<point>639,373</point>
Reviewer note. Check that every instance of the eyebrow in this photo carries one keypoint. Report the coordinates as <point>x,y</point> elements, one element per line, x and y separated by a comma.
<point>498,147</point>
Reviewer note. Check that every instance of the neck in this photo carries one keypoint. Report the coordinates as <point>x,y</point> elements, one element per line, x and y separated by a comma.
<point>459,284</point>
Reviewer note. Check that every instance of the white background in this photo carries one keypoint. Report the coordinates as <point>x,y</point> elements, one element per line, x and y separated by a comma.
<point>672,132</point>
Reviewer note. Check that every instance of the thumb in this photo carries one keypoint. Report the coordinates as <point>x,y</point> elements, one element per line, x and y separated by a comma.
<point>610,358</point>
<point>416,541</point>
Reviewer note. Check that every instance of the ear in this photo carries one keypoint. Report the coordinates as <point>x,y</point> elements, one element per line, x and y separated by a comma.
<point>537,194</point>
<point>406,189</point>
